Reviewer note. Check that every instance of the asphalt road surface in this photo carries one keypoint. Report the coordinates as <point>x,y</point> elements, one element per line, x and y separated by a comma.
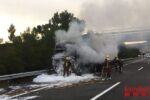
<point>135,78</point>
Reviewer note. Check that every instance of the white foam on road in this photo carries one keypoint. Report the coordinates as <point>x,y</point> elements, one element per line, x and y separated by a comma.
<point>105,91</point>
<point>47,81</point>
<point>45,78</point>
<point>6,97</point>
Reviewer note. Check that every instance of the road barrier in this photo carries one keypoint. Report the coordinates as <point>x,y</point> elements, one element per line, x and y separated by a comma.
<point>128,60</point>
<point>21,75</point>
<point>33,73</point>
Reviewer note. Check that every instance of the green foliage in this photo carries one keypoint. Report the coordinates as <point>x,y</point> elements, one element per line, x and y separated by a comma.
<point>2,70</point>
<point>32,50</point>
<point>1,40</point>
<point>62,20</point>
<point>11,31</point>
<point>10,59</point>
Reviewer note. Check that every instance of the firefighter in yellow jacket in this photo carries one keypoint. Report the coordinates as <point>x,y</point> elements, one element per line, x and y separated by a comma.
<point>67,65</point>
<point>107,68</point>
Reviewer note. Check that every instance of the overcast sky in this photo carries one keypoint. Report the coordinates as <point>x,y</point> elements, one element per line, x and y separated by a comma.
<point>24,13</point>
<point>99,14</point>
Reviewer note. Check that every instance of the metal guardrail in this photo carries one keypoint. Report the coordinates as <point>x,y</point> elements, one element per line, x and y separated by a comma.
<point>130,59</point>
<point>20,75</point>
<point>27,74</point>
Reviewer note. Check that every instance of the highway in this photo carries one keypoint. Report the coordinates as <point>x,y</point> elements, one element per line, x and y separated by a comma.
<point>135,75</point>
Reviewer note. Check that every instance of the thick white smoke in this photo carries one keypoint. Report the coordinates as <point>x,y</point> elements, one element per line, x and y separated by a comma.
<point>104,16</point>
<point>72,35</point>
<point>116,14</point>
<point>91,47</point>
<point>119,15</point>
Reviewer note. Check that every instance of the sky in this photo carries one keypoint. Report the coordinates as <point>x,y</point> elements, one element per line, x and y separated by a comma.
<point>99,15</point>
<point>29,13</point>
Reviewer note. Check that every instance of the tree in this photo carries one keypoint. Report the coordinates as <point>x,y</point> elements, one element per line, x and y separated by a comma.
<point>58,21</point>
<point>28,36</point>
<point>47,33</point>
<point>62,20</point>
<point>1,40</point>
<point>11,31</point>
<point>27,52</point>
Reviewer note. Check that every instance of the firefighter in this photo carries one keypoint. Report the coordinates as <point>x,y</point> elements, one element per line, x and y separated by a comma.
<point>67,65</point>
<point>107,69</point>
<point>118,64</point>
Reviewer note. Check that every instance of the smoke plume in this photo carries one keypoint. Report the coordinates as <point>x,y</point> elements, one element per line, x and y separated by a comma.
<point>119,15</point>
<point>92,47</point>
<point>101,15</point>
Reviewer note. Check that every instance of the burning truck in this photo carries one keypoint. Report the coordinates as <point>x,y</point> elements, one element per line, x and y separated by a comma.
<point>78,67</point>
<point>86,52</point>
<point>61,52</point>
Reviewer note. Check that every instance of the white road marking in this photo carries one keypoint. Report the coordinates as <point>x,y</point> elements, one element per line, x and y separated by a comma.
<point>105,91</point>
<point>140,68</point>
<point>27,92</point>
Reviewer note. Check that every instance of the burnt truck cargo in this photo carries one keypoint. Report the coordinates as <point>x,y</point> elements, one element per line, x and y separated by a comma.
<point>83,54</point>
<point>78,67</point>
<point>61,52</point>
